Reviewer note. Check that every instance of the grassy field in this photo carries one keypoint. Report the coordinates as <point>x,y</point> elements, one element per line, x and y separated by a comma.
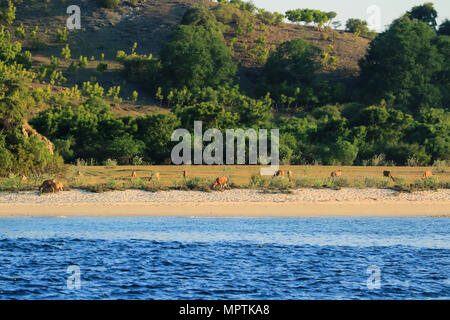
<point>100,178</point>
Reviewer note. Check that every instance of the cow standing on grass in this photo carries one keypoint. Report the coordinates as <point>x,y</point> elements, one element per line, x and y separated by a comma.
<point>280,173</point>
<point>336,174</point>
<point>221,182</point>
<point>51,186</point>
<point>290,175</point>
<point>57,186</point>
<point>388,174</point>
<point>427,174</point>
<point>46,186</point>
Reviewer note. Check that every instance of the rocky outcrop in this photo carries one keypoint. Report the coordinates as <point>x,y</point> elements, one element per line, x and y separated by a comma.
<point>28,131</point>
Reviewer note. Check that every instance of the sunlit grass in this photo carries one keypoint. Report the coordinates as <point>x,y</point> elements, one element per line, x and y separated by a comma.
<point>201,178</point>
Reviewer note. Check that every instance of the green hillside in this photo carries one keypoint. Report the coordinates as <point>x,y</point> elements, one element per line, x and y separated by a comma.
<point>118,87</point>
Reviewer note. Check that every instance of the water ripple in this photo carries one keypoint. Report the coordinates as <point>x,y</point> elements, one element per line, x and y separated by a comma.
<point>220,258</point>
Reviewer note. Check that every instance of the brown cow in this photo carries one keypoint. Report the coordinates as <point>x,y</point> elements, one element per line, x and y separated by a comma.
<point>47,186</point>
<point>57,186</point>
<point>427,174</point>
<point>336,174</point>
<point>185,174</point>
<point>280,173</point>
<point>290,175</point>
<point>221,181</point>
<point>388,174</point>
<point>134,174</point>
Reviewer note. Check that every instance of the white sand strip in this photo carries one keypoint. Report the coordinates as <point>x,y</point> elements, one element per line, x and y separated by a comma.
<point>302,202</point>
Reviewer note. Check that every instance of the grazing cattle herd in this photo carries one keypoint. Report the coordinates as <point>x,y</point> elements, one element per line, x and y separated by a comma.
<point>221,182</point>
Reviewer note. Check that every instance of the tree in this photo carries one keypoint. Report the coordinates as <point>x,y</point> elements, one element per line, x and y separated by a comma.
<point>331,15</point>
<point>294,15</point>
<point>320,18</point>
<point>124,148</point>
<point>155,131</point>
<point>357,26</point>
<point>291,68</point>
<point>196,57</point>
<point>444,28</point>
<point>402,66</point>
<point>213,116</point>
<point>15,98</point>
<point>11,52</point>
<point>425,13</point>
<point>6,156</point>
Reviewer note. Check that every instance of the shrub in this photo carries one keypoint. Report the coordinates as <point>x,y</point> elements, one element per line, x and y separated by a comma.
<point>101,67</point>
<point>20,32</point>
<point>257,181</point>
<point>440,166</point>
<point>412,162</point>
<point>200,15</point>
<point>137,183</point>
<point>62,35</point>
<point>341,182</point>
<point>110,4</point>
<point>198,184</point>
<point>141,69</point>
<point>137,161</point>
<point>110,163</point>
<point>11,52</point>
<point>134,96</point>
<point>82,62</point>
<point>381,183</point>
<point>65,52</point>
<point>9,14</point>
<point>279,183</point>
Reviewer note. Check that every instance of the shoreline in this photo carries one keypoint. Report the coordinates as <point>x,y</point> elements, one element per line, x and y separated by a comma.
<point>234,209</point>
<point>233,203</point>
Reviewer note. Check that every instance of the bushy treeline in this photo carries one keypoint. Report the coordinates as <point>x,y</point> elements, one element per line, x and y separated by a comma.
<point>334,134</point>
<point>398,112</point>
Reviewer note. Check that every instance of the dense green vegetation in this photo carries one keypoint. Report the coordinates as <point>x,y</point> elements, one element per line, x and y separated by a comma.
<point>397,112</point>
<point>408,66</point>
<point>29,154</point>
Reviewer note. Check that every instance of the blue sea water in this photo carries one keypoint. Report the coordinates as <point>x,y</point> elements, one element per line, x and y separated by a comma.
<point>224,258</point>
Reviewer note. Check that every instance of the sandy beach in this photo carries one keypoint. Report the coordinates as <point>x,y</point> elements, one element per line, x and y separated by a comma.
<point>302,202</point>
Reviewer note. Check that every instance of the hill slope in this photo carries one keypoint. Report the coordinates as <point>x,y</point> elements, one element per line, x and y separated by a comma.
<point>149,24</point>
